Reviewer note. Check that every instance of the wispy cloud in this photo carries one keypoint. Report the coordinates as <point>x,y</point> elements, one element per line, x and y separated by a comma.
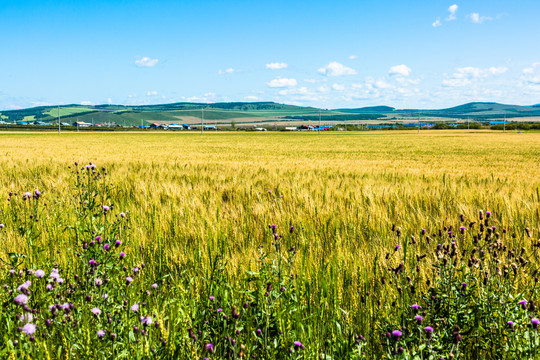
<point>277,65</point>
<point>146,62</point>
<point>228,71</point>
<point>466,75</point>
<point>282,82</point>
<point>86,102</point>
<point>477,19</point>
<point>437,23</point>
<point>352,57</point>
<point>336,69</point>
<point>151,93</point>
<point>402,70</point>
<point>453,10</point>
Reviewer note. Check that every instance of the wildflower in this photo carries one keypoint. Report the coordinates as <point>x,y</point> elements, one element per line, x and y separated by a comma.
<point>55,275</point>
<point>464,286</point>
<point>535,322</point>
<point>98,282</point>
<point>219,310</point>
<point>27,195</point>
<point>135,307</point>
<point>462,229</point>
<point>24,287</point>
<point>118,243</point>
<point>154,286</point>
<point>96,311</point>
<point>106,247</point>
<point>429,331</point>
<point>60,280</point>
<point>29,329</point>
<point>259,332</point>
<point>396,334</point>
<point>510,324</point>
<point>105,296</point>
<point>210,348</point>
<point>488,214</point>
<point>396,248</point>
<point>122,255</point>
<point>20,299</point>
<point>122,215</point>
<point>147,321</point>
<point>101,333</point>
<point>523,304</point>
<point>105,208</point>
<point>50,287</point>
<point>418,319</point>
<point>26,318</point>
<point>298,345</point>
<point>1,226</point>
<point>291,229</point>
<point>39,273</point>
<point>416,307</point>
<point>129,279</point>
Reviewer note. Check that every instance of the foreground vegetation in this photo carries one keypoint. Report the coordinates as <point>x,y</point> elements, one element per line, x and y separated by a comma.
<point>284,246</point>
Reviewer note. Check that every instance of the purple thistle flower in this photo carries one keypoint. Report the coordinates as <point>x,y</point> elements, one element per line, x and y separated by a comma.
<point>258,332</point>
<point>510,324</point>
<point>135,307</point>
<point>25,286</point>
<point>462,229</point>
<point>535,322</point>
<point>106,247</point>
<point>429,331</point>
<point>129,279</point>
<point>122,255</point>
<point>416,307</point>
<point>397,247</point>
<point>219,310</point>
<point>101,333</point>
<point>39,273</point>
<point>418,319</point>
<point>154,286</point>
<point>98,282</point>
<point>299,345</point>
<point>523,304</point>
<point>396,334</point>
<point>210,348</point>
<point>29,329</point>
<point>488,214</point>
<point>20,299</point>
<point>212,298</point>
<point>105,208</point>
<point>96,311</point>
<point>118,243</point>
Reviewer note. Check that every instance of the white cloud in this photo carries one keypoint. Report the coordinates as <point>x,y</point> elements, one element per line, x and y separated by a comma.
<point>277,66</point>
<point>338,87</point>
<point>352,57</point>
<point>228,71</point>
<point>300,91</point>
<point>282,82</point>
<point>452,9</point>
<point>531,75</point>
<point>323,89</point>
<point>402,70</point>
<point>336,69</point>
<point>151,93</point>
<point>109,100</point>
<point>437,23</point>
<point>86,102</point>
<point>466,75</point>
<point>381,84</point>
<point>146,62</point>
<point>477,19</point>
<point>131,96</point>
<point>251,98</point>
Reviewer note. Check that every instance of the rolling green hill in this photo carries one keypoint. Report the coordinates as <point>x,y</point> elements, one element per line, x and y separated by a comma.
<point>244,111</point>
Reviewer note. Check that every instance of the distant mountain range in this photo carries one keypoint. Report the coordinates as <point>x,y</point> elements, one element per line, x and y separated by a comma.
<point>250,112</point>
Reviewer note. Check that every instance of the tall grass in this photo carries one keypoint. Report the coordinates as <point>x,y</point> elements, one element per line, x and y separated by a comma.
<point>199,209</point>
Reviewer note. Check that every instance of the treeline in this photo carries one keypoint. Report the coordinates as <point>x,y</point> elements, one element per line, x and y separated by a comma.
<point>334,117</point>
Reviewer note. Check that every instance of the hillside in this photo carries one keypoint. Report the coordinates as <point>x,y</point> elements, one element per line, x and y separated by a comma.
<point>249,112</point>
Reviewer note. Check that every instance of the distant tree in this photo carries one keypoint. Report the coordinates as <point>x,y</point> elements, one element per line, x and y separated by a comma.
<point>233,124</point>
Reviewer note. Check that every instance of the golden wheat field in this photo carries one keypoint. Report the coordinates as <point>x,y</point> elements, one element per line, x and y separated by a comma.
<point>342,192</point>
<point>196,209</point>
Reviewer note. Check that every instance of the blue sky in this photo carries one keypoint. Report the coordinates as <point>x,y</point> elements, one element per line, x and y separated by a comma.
<point>421,54</point>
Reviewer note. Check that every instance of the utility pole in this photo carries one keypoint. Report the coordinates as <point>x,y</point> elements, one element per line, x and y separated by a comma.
<point>319,121</point>
<point>202,121</point>
<point>58,119</point>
